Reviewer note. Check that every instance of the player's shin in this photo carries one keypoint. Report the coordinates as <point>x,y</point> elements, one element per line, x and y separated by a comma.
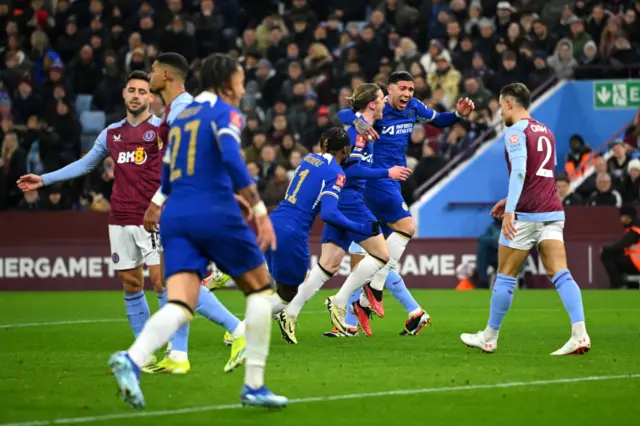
<point>211,308</point>
<point>501,299</point>
<point>157,331</point>
<point>258,336</point>
<point>571,297</point>
<point>316,279</point>
<point>397,243</point>
<point>365,270</point>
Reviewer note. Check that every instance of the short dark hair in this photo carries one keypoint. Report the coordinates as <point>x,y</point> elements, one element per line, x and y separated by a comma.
<point>176,61</point>
<point>398,76</point>
<point>334,139</point>
<point>216,71</point>
<point>138,75</point>
<point>519,92</point>
<point>562,178</point>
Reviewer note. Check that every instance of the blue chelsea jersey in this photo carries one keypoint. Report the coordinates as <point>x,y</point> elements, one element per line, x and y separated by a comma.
<point>362,152</point>
<point>395,129</point>
<point>317,176</point>
<point>203,164</point>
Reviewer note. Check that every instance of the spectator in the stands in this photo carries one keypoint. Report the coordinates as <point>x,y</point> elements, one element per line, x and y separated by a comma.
<point>268,163</point>
<point>579,37</point>
<point>446,77</point>
<point>30,201</point>
<point>597,21</point>
<point>618,163</point>
<point>568,198</point>
<point>541,73</point>
<point>258,141</point>
<point>605,194</point>
<point>622,257</point>
<point>85,72</point>
<point>288,146</point>
<point>590,63</point>
<point>430,163</point>
<point>13,165</point>
<point>27,102</point>
<point>578,157</point>
<point>543,41</point>
<point>630,187</point>
<point>562,61</point>
<point>475,90</point>
<point>276,188</point>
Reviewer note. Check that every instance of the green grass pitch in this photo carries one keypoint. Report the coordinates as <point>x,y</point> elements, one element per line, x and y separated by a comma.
<point>54,349</point>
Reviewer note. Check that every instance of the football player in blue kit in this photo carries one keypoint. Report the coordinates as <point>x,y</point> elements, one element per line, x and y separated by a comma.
<point>368,100</point>
<point>315,188</point>
<point>383,196</point>
<point>202,222</point>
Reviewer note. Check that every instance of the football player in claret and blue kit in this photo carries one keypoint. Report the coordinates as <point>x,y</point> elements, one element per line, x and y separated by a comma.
<point>532,216</point>
<point>202,222</point>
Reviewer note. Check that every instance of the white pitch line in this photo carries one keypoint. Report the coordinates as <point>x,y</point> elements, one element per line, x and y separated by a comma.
<point>398,392</point>
<point>108,320</point>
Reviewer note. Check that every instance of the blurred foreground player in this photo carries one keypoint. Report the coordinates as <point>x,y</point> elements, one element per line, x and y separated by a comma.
<point>167,77</point>
<point>315,188</point>
<point>202,222</point>
<point>532,215</point>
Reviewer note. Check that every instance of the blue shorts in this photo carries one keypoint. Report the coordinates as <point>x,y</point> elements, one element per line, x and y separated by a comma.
<point>384,198</point>
<point>289,263</point>
<point>356,212</point>
<point>190,242</point>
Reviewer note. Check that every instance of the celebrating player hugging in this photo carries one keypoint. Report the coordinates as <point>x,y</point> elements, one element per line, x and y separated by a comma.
<point>383,196</point>
<point>532,215</point>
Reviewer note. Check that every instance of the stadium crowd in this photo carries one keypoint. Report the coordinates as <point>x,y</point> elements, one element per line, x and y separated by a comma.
<point>63,63</point>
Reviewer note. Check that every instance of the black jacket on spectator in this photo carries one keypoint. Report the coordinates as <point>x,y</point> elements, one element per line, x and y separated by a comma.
<point>85,76</point>
<point>609,198</point>
<point>630,191</point>
<point>572,199</point>
<point>10,194</point>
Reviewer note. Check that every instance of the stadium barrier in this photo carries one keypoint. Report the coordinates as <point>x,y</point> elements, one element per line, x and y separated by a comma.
<point>70,251</point>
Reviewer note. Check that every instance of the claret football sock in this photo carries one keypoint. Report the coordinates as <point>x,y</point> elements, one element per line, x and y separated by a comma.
<point>137,311</point>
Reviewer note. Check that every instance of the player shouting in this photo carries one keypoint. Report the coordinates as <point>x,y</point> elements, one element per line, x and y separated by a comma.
<point>202,222</point>
<point>532,215</point>
<point>384,196</point>
<point>368,100</point>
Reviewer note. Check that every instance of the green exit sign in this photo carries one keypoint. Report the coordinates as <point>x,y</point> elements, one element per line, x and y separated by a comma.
<point>616,94</point>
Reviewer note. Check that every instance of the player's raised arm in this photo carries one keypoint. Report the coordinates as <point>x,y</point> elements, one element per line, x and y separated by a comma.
<point>352,118</point>
<point>76,169</point>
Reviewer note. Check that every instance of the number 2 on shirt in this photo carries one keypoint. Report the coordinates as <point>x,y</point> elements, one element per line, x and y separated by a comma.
<point>301,177</point>
<point>175,137</point>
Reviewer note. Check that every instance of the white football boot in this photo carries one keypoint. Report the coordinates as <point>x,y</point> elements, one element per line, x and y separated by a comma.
<point>479,341</point>
<point>575,346</point>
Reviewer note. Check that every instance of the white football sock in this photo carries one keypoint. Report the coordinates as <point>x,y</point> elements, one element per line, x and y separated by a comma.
<point>578,329</point>
<point>365,270</point>
<point>490,333</point>
<point>157,331</point>
<point>258,335</point>
<point>364,300</point>
<point>316,279</point>
<point>397,244</point>
<point>178,356</point>
<point>277,304</point>
<point>239,331</point>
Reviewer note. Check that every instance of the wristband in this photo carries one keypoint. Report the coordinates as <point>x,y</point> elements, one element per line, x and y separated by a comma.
<point>159,198</point>
<point>458,114</point>
<point>260,209</point>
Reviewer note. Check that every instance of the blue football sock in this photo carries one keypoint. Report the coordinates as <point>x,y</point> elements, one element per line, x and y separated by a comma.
<point>395,284</point>
<point>211,308</point>
<point>351,319</point>
<point>569,294</point>
<point>180,340</point>
<point>162,299</point>
<point>137,311</point>
<point>501,299</point>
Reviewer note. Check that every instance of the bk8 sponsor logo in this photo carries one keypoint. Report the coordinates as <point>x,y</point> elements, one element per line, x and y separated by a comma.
<point>139,156</point>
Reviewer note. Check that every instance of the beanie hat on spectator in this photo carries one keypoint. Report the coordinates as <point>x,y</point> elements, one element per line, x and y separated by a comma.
<point>5,100</point>
<point>311,95</point>
<point>485,22</point>
<point>504,5</point>
<point>476,4</point>
<point>437,43</point>
<point>41,18</point>
<point>633,165</point>
<point>323,111</point>
<point>589,44</point>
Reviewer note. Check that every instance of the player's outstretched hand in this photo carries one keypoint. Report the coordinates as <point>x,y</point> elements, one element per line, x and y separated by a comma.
<point>266,235</point>
<point>30,182</point>
<point>152,217</point>
<point>400,173</point>
<point>247,211</point>
<point>498,210</point>
<point>509,226</point>
<point>366,129</point>
<point>465,106</point>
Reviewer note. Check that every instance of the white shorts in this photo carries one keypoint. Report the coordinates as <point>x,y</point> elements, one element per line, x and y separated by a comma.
<point>530,234</point>
<point>356,249</point>
<point>132,246</point>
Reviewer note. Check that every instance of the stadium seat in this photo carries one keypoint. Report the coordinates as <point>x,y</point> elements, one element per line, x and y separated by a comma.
<point>83,103</point>
<point>92,121</point>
